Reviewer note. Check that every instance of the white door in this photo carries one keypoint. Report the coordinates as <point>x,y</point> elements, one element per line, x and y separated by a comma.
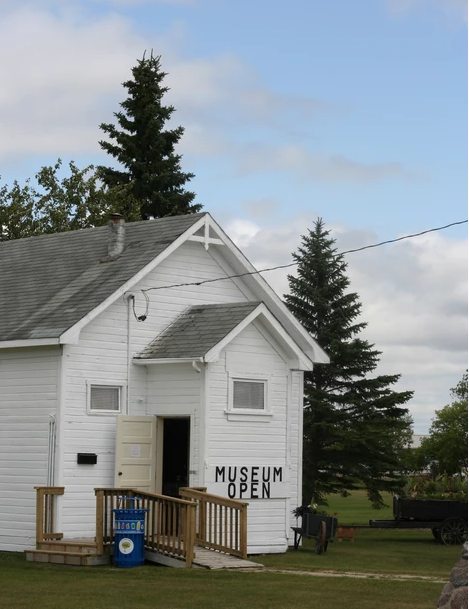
<point>136,453</point>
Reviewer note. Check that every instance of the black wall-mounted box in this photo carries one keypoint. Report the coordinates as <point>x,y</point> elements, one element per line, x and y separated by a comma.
<point>87,458</point>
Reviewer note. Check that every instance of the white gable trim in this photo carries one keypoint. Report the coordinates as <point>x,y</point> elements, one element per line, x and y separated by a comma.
<point>71,332</point>
<point>170,360</point>
<point>264,292</point>
<point>29,342</point>
<point>214,353</point>
<point>263,289</point>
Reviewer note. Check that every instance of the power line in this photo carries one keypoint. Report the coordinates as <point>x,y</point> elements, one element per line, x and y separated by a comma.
<point>285,266</point>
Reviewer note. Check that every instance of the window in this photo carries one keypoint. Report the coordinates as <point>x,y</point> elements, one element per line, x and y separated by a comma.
<point>248,395</point>
<point>248,398</point>
<point>104,398</point>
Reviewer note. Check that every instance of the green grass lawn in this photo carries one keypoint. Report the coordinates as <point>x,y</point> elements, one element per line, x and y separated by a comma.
<point>356,509</point>
<point>27,585</point>
<point>413,552</point>
<point>30,585</point>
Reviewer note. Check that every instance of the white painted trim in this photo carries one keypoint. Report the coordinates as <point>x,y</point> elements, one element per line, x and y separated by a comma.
<point>135,279</point>
<point>208,241</point>
<point>301,499</point>
<point>265,379</point>
<point>60,431</point>
<point>317,354</point>
<point>288,450</point>
<point>256,416</point>
<point>261,309</point>
<point>29,342</point>
<point>100,383</point>
<point>169,360</point>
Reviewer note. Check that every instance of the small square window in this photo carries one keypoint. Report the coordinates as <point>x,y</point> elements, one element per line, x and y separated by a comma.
<point>248,395</point>
<point>104,398</point>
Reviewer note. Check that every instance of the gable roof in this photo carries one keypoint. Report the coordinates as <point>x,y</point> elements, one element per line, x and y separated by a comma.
<point>49,283</point>
<point>197,330</point>
<point>51,286</point>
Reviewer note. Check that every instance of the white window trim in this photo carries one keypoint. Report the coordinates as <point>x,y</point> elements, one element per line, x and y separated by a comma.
<point>98,383</point>
<point>248,414</point>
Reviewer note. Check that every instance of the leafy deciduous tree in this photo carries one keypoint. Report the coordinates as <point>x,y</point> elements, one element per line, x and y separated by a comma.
<point>56,204</point>
<point>445,450</point>
<point>355,425</point>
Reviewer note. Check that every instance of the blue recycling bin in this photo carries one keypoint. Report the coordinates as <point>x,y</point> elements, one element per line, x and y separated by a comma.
<point>129,533</point>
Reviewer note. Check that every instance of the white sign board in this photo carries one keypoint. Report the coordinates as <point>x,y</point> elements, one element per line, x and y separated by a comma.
<point>249,481</point>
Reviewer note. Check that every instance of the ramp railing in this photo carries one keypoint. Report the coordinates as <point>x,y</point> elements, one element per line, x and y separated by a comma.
<point>45,512</point>
<point>221,522</point>
<point>170,522</point>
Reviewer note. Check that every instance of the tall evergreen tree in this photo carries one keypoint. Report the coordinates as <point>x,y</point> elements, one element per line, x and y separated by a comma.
<point>150,169</point>
<point>355,428</point>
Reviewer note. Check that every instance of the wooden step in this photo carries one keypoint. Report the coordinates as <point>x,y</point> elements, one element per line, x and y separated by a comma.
<point>58,557</point>
<point>80,546</point>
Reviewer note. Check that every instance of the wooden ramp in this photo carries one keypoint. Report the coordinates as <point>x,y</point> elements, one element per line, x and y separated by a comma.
<point>212,559</point>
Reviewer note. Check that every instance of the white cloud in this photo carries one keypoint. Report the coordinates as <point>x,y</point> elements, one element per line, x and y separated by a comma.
<point>413,295</point>
<point>59,74</point>
<point>300,161</point>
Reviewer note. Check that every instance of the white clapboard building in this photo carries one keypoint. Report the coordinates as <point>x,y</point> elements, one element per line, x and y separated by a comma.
<point>147,355</point>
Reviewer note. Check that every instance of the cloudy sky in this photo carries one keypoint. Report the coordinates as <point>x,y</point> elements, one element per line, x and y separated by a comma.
<point>355,112</point>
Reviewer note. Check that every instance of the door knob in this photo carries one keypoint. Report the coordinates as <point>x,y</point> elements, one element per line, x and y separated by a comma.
<point>119,473</point>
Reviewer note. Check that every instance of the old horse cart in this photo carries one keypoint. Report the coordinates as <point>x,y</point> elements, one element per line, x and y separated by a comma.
<point>446,518</point>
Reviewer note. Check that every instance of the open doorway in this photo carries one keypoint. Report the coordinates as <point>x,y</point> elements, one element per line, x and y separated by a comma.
<point>176,437</point>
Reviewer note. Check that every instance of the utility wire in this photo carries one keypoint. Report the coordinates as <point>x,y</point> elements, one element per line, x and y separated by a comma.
<point>285,266</point>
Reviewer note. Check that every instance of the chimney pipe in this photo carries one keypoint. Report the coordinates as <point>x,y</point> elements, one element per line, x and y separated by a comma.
<point>116,236</point>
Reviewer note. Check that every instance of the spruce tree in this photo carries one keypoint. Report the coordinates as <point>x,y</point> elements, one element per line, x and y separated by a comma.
<point>150,170</point>
<point>355,425</point>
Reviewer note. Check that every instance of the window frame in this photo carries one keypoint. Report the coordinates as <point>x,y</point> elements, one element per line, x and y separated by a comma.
<point>248,413</point>
<point>108,384</point>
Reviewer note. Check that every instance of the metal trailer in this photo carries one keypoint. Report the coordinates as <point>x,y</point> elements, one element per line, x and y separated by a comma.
<point>446,518</point>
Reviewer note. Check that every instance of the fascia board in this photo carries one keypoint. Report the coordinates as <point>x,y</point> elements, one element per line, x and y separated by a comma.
<point>76,328</point>
<point>29,342</point>
<point>214,353</point>
<point>316,354</point>
<point>170,360</point>
<point>305,361</point>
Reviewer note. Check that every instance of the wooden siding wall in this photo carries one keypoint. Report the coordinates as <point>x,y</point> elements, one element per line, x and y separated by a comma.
<point>238,443</point>
<point>28,396</point>
<point>101,356</point>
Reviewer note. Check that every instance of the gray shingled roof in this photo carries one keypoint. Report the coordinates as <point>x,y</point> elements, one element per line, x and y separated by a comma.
<point>48,283</point>
<point>197,330</point>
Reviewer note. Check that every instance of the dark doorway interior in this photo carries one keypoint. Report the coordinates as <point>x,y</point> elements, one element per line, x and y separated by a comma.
<point>175,455</point>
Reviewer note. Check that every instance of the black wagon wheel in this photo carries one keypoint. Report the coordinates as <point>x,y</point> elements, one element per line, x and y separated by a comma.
<point>453,532</point>
<point>321,537</point>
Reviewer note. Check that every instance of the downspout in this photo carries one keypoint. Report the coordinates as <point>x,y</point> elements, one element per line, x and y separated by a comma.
<point>51,451</point>
<point>130,302</point>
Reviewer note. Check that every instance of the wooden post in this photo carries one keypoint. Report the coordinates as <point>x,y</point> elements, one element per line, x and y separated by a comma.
<point>243,531</point>
<point>202,520</point>
<point>189,541</point>
<point>99,521</point>
<point>39,515</point>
